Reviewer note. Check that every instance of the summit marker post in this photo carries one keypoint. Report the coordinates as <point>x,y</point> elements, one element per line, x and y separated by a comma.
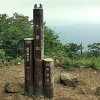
<point>39,72</point>
<point>28,62</point>
<point>38,49</point>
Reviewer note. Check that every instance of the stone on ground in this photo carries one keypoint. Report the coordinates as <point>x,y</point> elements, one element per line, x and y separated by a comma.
<point>69,79</point>
<point>97,92</point>
<point>15,85</point>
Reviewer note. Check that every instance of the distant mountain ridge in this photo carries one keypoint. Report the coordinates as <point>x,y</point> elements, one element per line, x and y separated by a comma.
<point>85,33</point>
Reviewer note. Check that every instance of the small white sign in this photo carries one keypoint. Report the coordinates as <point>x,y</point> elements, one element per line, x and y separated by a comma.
<point>47,74</point>
<point>37,37</point>
<point>37,26</point>
<point>48,80</point>
<point>27,49</point>
<point>27,53</point>
<point>27,58</point>
<point>47,69</point>
<point>48,64</point>
<point>27,41</point>
<point>37,48</point>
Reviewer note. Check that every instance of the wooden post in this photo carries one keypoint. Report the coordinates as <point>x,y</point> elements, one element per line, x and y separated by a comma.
<point>28,62</point>
<point>38,33</point>
<point>81,49</point>
<point>38,77</point>
<point>38,49</point>
<point>48,77</point>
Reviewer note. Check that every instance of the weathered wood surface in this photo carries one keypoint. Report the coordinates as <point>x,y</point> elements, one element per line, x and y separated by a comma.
<point>48,65</point>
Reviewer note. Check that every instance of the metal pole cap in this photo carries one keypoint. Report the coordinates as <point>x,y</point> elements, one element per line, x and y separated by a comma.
<point>35,6</point>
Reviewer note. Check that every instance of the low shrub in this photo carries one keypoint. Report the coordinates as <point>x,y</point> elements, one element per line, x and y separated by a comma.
<point>18,59</point>
<point>2,54</point>
<point>67,64</point>
<point>88,62</point>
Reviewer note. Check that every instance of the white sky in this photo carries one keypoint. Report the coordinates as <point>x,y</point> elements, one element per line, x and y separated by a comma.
<point>74,10</point>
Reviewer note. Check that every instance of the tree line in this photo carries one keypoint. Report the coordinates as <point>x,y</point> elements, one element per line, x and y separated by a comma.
<point>14,29</point>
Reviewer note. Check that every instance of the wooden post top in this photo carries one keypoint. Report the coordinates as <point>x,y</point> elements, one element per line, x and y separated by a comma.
<point>48,59</point>
<point>29,39</point>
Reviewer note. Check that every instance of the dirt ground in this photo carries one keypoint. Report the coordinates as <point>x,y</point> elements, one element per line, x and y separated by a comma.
<point>87,78</point>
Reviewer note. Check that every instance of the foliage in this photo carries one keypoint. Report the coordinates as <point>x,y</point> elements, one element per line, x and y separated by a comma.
<point>94,49</point>
<point>71,49</point>
<point>52,46</point>
<point>18,59</point>
<point>67,64</point>
<point>92,61</point>
<point>24,92</point>
<point>78,62</point>
<point>1,64</point>
<point>87,54</point>
<point>59,78</point>
<point>49,39</point>
<point>97,63</point>
<point>13,30</point>
<point>2,54</point>
<point>46,56</point>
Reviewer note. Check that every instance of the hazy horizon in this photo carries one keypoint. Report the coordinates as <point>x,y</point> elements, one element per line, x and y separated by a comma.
<point>56,12</point>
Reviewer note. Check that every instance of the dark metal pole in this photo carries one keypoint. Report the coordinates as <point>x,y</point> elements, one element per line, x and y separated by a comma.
<point>28,62</point>
<point>81,49</point>
<point>38,49</point>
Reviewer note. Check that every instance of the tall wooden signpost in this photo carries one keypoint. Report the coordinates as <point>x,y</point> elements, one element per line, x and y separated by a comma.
<point>28,62</point>
<point>39,72</point>
<point>38,49</point>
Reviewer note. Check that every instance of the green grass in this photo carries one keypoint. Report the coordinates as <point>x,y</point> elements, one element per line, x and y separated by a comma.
<point>59,78</point>
<point>25,93</point>
<point>92,61</point>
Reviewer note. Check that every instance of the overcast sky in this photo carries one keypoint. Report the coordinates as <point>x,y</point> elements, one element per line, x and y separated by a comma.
<point>69,10</point>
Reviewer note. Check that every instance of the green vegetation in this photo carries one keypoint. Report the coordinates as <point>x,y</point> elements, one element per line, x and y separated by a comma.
<point>14,29</point>
<point>25,93</point>
<point>67,64</point>
<point>59,78</point>
<point>92,62</point>
<point>18,59</point>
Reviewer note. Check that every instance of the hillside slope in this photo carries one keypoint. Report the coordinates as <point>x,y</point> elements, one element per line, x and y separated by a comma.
<point>85,33</point>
